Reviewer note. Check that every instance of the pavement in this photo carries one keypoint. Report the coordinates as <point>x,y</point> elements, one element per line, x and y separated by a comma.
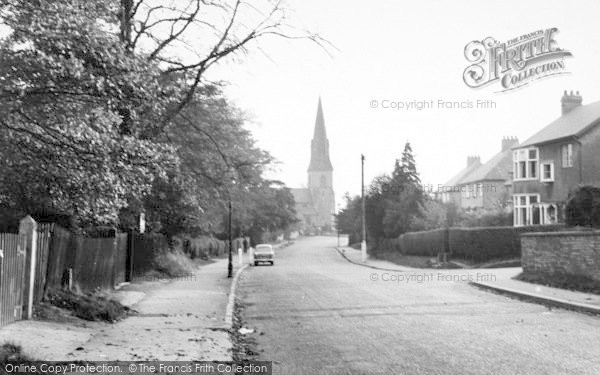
<point>503,282</point>
<point>178,319</point>
<point>315,312</point>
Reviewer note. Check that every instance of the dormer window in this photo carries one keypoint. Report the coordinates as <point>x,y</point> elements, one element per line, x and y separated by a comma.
<point>525,164</point>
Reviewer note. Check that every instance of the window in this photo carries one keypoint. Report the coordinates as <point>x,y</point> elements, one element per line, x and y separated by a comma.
<point>474,190</point>
<point>526,210</point>
<point>567,155</point>
<point>547,172</point>
<point>465,191</point>
<point>525,165</point>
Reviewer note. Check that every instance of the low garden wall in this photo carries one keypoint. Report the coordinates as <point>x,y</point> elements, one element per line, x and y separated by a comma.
<point>566,252</point>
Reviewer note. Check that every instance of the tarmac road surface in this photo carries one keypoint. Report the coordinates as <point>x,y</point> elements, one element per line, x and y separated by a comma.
<point>315,313</point>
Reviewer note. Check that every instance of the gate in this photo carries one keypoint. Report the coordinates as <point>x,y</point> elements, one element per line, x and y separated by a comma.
<point>12,276</point>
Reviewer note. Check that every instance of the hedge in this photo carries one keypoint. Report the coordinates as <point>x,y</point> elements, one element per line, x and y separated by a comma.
<point>474,244</point>
<point>426,243</point>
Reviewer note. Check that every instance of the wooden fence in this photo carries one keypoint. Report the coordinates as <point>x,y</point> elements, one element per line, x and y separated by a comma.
<point>12,277</point>
<point>53,258</point>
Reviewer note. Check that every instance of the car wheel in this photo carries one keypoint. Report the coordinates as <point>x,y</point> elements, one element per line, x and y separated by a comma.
<point>272,263</point>
<point>256,263</point>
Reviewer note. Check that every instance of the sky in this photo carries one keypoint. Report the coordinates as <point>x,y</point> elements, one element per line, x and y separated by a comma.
<point>403,51</point>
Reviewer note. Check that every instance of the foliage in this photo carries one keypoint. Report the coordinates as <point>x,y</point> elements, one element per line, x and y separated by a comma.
<point>583,207</point>
<point>102,118</point>
<point>392,203</point>
<point>433,215</point>
<point>484,218</point>
<point>92,307</point>
<point>65,83</point>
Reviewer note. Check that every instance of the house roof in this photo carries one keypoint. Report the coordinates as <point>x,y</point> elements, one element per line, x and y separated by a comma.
<point>496,168</point>
<point>576,122</point>
<point>458,177</point>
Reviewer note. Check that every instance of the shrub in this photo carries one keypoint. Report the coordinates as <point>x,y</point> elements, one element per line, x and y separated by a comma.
<point>583,207</point>
<point>173,263</point>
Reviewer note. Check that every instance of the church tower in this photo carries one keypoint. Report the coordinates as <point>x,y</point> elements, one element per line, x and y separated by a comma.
<point>320,174</point>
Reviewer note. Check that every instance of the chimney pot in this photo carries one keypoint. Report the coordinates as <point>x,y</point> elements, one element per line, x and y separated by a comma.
<point>570,102</point>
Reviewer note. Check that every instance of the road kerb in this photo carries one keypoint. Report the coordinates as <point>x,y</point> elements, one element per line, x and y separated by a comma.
<point>364,264</point>
<point>231,301</point>
<point>538,298</point>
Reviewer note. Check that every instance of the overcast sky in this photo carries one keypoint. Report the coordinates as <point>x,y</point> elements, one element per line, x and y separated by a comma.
<point>404,51</point>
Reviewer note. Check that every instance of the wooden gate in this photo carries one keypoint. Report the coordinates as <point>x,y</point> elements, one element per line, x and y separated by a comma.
<point>12,276</point>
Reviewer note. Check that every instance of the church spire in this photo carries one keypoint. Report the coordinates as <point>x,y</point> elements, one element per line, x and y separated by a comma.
<point>319,156</point>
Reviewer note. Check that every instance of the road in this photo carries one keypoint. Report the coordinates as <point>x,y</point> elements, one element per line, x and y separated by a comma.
<point>315,313</point>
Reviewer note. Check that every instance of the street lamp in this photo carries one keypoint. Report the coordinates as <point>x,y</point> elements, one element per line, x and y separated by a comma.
<point>337,223</point>
<point>230,226</point>
<point>363,244</point>
<point>230,263</point>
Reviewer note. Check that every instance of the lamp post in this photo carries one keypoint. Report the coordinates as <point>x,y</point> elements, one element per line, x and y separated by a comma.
<point>363,243</point>
<point>230,263</point>
<point>337,223</point>
<point>230,225</point>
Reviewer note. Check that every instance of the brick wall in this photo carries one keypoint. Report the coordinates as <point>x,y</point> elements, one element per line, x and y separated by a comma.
<point>562,252</point>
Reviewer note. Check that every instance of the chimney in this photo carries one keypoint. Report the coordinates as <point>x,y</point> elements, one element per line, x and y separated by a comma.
<point>472,160</point>
<point>570,101</point>
<point>509,142</point>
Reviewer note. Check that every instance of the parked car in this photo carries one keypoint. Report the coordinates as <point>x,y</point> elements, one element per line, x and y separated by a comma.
<point>264,253</point>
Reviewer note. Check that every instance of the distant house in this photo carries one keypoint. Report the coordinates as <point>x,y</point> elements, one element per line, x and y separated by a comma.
<point>450,191</point>
<point>485,187</point>
<point>558,158</point>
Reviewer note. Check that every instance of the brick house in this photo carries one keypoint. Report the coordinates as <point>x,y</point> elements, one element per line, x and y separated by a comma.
<point>554,161</point>
<point>485,187</point>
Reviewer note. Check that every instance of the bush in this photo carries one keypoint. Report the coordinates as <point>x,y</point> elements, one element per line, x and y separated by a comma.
<point>583,207</point>
<point>485,218</point>
<point>173,263</point>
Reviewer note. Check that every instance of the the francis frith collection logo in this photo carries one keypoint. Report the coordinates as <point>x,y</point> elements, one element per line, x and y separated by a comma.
<point>514,63</point>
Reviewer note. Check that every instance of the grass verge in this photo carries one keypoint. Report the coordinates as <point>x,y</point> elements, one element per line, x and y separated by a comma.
<point>578,283</point>
<point>92,307</point>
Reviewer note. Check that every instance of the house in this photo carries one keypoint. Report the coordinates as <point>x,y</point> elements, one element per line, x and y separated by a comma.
<point>450,191</point>
<point>485,187</point>
<point>554,161</point>
<point>315,204</point>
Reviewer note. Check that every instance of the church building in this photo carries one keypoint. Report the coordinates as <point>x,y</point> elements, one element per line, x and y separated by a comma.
<point>316,203</point>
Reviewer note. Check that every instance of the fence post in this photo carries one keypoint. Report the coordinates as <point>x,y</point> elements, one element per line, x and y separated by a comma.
<point>130,254</point>
<point>28,228</point>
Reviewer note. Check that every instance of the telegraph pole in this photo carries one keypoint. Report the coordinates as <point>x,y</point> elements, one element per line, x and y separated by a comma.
<point>363,244</point>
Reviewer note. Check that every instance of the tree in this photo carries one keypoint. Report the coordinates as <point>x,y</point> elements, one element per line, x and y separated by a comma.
<point>64,80</point>
<point>405,196</point>
<point>96,107</point>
